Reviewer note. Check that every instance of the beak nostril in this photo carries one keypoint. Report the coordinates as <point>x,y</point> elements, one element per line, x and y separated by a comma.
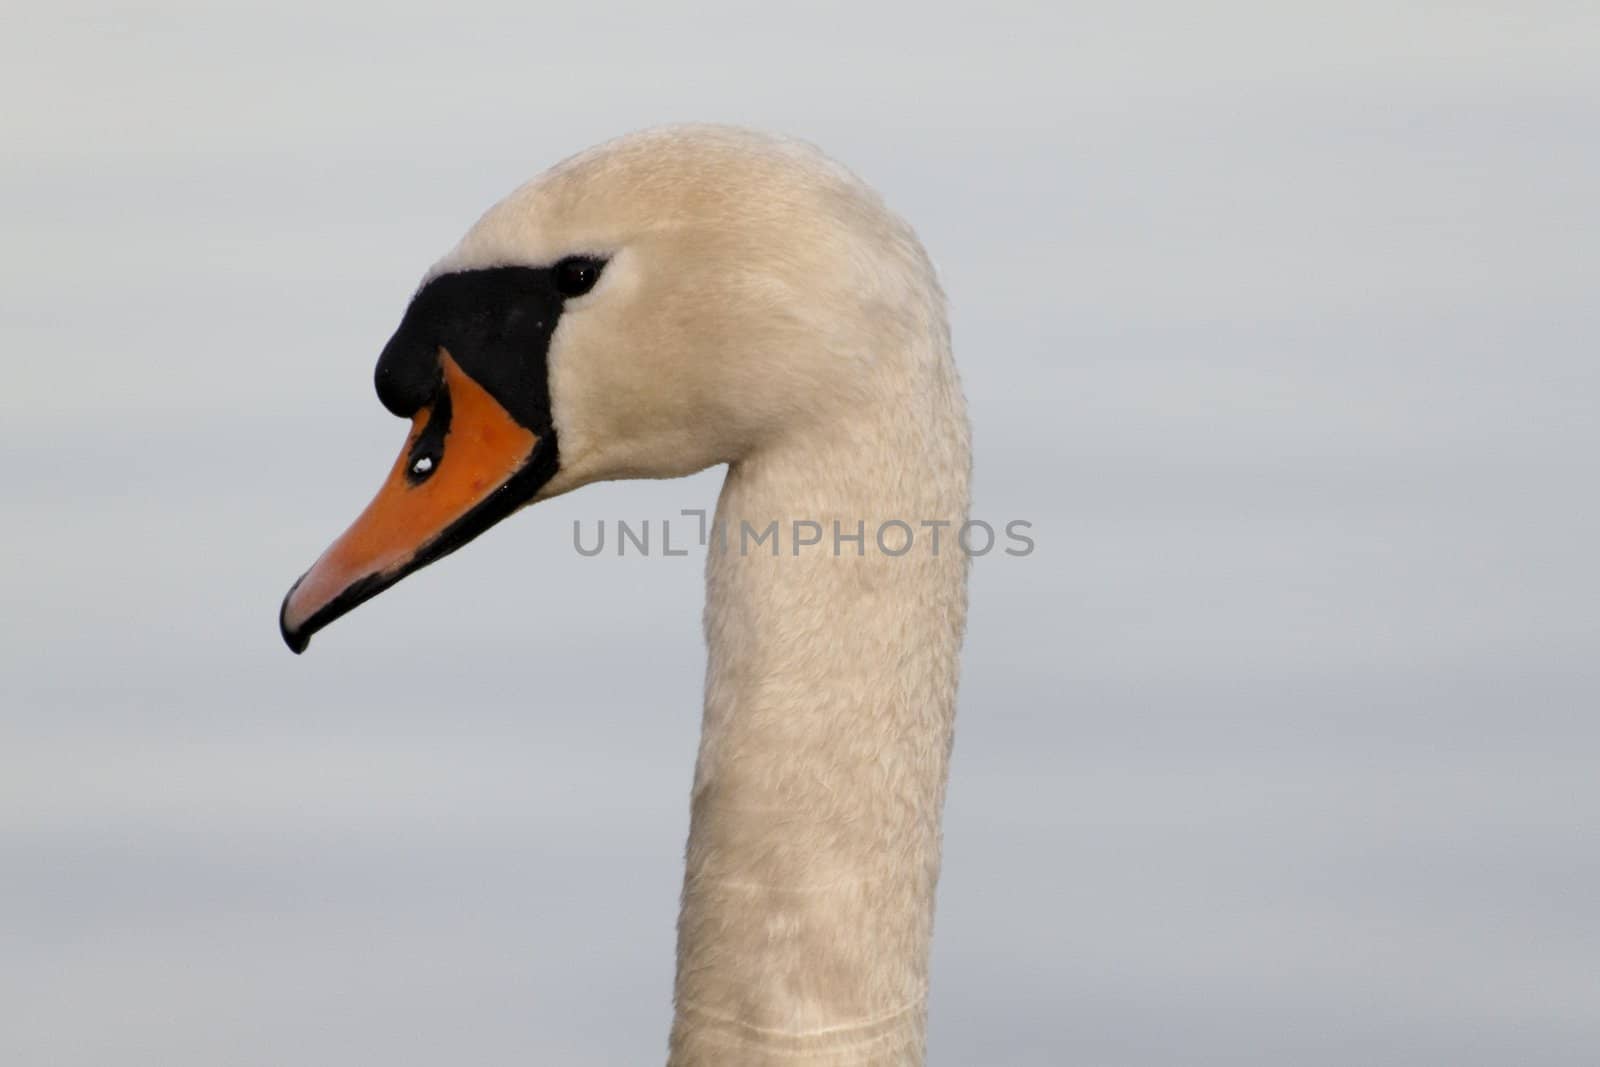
<point>428,447</point>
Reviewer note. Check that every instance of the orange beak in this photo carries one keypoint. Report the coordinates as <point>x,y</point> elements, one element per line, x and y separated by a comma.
<point>466,465</point>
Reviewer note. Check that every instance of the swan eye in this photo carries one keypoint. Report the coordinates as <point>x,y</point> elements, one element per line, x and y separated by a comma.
<point>576,275</point>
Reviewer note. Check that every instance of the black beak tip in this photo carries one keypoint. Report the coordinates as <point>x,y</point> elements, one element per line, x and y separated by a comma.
<point>297,640</point>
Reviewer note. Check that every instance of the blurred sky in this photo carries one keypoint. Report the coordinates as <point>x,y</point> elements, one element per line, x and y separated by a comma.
<point>1277,320</point>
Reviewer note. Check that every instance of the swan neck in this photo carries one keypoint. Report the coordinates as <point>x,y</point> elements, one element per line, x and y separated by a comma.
<point>830,697</point>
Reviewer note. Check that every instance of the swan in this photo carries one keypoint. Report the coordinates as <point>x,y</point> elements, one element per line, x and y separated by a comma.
<point>670,300</point>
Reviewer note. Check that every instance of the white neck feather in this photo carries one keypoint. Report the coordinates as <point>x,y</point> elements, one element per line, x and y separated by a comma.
<point>830,697</point>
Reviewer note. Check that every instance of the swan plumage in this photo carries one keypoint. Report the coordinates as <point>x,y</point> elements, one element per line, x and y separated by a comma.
<point>668,301</point>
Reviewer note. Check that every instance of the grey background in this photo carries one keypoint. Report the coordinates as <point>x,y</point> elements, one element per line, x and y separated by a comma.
<point>1277,320</point>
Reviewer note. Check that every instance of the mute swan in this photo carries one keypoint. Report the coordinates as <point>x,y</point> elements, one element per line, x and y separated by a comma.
<point>670,300</point>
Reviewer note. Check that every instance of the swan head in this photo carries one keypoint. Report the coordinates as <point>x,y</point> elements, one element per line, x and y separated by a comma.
<point>665,302</point>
